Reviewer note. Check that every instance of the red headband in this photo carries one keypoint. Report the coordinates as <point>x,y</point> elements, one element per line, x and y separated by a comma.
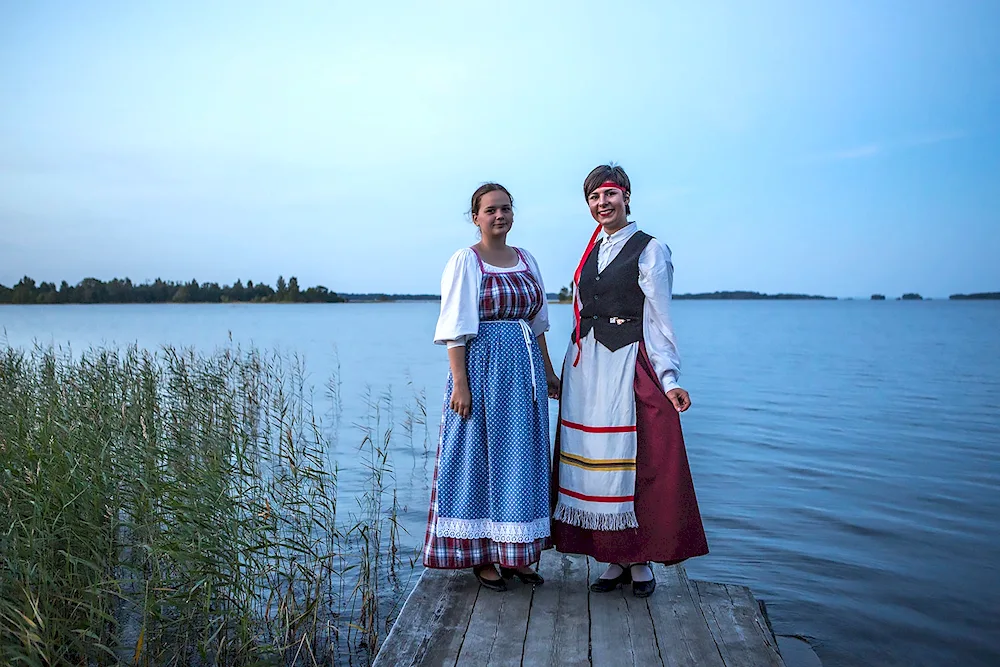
<point>612,184</point>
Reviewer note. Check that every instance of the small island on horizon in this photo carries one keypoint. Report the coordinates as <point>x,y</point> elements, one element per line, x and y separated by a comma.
<point>124,291</point>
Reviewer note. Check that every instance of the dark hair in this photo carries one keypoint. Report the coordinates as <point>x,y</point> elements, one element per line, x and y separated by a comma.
<point>603,174</point>
<point>483,189</point>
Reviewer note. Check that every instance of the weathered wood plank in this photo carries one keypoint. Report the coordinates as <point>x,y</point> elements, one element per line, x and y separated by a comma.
<point>482,629</point>
<point>496,631</point>
<point>449,620</point>
<point>749,611</point>
<point>432,622</point>
<point>610,643</point>
<point>512,626</point>
<point>642,636</point>
<point>737,626</point>
<point>682,632</point>
<point>559,624</point>
<point>748,608</point>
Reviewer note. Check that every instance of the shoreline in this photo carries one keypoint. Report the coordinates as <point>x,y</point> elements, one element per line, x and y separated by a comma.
<point>550,300</point>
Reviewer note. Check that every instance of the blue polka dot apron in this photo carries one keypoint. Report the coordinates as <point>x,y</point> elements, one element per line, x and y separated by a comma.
<point>490,497</point>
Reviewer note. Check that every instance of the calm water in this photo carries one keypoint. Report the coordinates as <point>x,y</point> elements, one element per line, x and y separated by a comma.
<point>846,454</point>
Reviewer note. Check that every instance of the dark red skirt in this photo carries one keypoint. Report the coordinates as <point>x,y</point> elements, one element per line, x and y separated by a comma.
<point>666,508</point>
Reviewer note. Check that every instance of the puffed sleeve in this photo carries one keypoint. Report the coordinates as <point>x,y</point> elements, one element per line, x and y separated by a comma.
<point>656,279</point>
<point>459,318</point>
<point>540,322</point>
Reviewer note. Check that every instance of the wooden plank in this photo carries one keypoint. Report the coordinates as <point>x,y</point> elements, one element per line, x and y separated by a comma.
<point>749,612</point>
<point>559,625</point>
<point>610,643</point>
<point>432,622</point>
<point>449,620</point>
<point>482,630</point>
<point>641,634</point>
<point>682,631</point>
<point>496,631</point>
<point>736,626</point>
<point>513,626</point>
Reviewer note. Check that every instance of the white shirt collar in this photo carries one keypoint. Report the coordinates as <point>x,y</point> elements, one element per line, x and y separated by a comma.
<point>622,234</point>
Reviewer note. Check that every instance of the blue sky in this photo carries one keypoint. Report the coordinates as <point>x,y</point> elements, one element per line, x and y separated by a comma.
<point>840,148</point>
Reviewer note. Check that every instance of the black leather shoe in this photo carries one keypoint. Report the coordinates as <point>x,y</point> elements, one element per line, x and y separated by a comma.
<point>607,585</point>
<point>532,578</point>
<point>493,584</point>
<point>643,589</point>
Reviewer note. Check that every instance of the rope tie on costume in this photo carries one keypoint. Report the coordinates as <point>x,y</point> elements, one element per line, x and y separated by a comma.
<point>527,333</point>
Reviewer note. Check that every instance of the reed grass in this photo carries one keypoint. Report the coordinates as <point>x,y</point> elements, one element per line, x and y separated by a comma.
<point>176,508</point>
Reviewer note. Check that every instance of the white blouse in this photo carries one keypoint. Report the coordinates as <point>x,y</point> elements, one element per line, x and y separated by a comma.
<point>459,318</point>
<point>656,279</point>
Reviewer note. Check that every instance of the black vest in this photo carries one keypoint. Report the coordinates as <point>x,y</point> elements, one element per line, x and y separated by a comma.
<point>612,300</point>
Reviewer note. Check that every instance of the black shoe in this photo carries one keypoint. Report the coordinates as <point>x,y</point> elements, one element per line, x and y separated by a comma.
<point>643,589</point>
<point>607,585</point>
<point>492,584</point>
<point>532,578</point>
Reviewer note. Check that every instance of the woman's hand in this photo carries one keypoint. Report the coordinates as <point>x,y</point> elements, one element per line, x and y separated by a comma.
<point>680,399</point>
<point>552,380</point>
<point>461,399</point>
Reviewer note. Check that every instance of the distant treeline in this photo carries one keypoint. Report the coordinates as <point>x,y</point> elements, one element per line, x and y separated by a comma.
<point>750,296</point>
<point>92,290</point>
<point>978,295</point>
<point>379,297</point>
<point>565,295</point>
<point>913,296</point>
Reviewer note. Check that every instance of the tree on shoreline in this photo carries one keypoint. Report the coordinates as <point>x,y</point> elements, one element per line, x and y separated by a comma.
<point>978,296</point>
<point>92,290</point>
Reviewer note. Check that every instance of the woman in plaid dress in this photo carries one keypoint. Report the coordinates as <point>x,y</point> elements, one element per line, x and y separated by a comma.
<point>490,497</point>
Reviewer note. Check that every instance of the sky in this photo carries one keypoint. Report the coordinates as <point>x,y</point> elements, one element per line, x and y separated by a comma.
<point>827,147</point>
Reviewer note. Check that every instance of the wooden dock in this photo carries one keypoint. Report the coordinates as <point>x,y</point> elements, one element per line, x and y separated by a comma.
<point>449,620</point>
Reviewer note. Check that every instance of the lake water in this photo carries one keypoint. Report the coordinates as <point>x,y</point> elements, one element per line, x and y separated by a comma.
<point>846,454</point>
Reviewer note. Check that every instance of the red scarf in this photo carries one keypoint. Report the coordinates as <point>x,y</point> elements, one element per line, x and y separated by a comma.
<point>579,270</point>
<point>576,292</point>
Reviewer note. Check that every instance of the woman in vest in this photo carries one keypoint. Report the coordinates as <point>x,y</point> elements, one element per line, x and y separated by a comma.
<point>623,490</point>
<point>490,496</point>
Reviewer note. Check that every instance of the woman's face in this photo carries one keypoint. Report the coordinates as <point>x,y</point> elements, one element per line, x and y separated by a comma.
<point>607,206</point>
<point>496,215</point>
